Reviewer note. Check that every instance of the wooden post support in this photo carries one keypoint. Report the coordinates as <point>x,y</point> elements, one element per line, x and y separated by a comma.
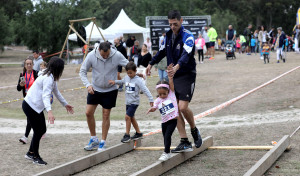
<point>161,167</point>
<point>269,158</point>
<point>63,48</point>
<point>99,30</point>
<point>90,160</point>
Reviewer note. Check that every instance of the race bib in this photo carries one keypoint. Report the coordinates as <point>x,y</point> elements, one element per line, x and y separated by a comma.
<point>130,87</point>
<point>166,107</point>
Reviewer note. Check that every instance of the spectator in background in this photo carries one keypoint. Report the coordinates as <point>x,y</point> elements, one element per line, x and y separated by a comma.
<point>253,44</point>
<point>280,44</point>
<point>212,34</point>
<point>238,45</point>
<point>256,41</point>
<point>145,57</point>
<point>37,60</point>
<point>297,38</point>
<point>199,43</point>
<point>134,52</point>
<point>207,43</point>
<point>129,43</point>
<point>161,38</point>
<point>162,68</point>
<point>230,33</point>
<point>262,39</point>
<point>149,44</point>
<point>26,80</point>
<point>271,35</point>
<point>122,50</point>
<point>247,35</point>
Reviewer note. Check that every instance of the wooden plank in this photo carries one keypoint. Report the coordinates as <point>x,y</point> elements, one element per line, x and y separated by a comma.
<point>90,160</point>
<point>216,148</point>
<point>161,167</point>
<point>269,158</point>
<point>240,147</point>
<point>84,19</point>
<point>74,30</point>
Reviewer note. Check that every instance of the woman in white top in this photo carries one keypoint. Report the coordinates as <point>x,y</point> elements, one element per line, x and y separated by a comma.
<point>38,99</point>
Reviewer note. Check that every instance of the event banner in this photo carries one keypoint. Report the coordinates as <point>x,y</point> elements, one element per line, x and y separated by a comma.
<point>160,24</point>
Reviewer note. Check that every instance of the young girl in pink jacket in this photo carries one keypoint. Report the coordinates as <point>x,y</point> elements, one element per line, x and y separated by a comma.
<point>200,42</point>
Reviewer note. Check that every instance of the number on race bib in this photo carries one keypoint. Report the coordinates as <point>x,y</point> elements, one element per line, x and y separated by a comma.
<point>166,107</point>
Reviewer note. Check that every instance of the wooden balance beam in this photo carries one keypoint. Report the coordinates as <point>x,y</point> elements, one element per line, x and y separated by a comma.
<point>161,167</point>
<point>215,148</point>
<point>269,158</point>
<point>90,160</point>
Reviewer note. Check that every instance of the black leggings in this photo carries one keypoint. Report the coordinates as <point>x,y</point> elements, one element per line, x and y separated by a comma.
<point>167,130</point>
<point>28,128</point>
<point>38,124</point>
<point>200,52</point>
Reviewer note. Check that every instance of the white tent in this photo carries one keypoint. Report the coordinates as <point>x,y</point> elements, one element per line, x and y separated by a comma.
<point>123,25</point>
<point>95,34</point>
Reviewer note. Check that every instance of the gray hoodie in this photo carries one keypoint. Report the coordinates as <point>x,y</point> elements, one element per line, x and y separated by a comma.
<point>103,70</point>
<point>36,63</point>
<point>133,86</point>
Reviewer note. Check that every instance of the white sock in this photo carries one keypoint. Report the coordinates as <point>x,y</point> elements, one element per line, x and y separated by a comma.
<point>94,137</point>
<point>103,141</point>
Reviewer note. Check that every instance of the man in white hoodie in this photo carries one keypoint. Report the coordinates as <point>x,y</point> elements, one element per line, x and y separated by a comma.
<point>104,62</point>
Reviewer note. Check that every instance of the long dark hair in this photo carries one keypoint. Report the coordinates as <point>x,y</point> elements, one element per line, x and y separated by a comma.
<point>55,67</point>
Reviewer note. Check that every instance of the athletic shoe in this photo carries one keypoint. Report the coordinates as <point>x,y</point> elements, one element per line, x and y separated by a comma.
<point>164,157</point>
<point>29,156</point>
<point>261,57</point>
<point>23,140</point>
<point>137,136</point>
<point>197,138</point>
<point>126,138</point>
<point>101,146</point>
<point>183,147</point>
<point>201,62</point>
<point>211,58</point>
<point>39,161</point>
<point>93,144</point>
<point>278,62</point>
<point>283,60</point>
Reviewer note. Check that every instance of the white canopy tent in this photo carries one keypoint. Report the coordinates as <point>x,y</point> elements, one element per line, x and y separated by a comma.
<point>95,34</point>
<point>123,25</point>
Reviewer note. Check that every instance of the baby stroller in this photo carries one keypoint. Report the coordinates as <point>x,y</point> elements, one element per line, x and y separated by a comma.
<point>229,49</point>
<point>266,53</point>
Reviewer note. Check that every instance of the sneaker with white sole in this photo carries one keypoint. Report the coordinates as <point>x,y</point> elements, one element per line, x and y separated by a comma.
<point>126,138</point>
<point>183,147</point>
<point>39,161</point>
<point>164,157</point>
<point>29,156</point>
<point>23,140</point>
<point>93,144</point>
<point>101,146</point>
<point>137,136</point>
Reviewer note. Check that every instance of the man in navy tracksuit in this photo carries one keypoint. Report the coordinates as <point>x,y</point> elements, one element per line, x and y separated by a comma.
<point>179,48</point>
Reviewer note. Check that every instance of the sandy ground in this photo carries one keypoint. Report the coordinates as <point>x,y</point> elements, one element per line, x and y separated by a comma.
<point>258,119</point>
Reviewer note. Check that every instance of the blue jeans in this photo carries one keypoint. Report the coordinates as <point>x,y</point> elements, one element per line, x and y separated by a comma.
<point>163,75</point>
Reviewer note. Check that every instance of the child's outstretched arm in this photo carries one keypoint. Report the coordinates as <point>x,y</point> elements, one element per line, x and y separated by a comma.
<point>171,83</point>
<point>151,110</point>
<point>119,82</point>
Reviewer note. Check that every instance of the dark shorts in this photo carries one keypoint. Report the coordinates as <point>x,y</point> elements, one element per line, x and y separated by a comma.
<point>106,99</point>
<point>120,69</point>
<point>247,42</point>
<point>207,45</point>
<point>130,110</point>
<point>212,44</point>
<point>184,86</point>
